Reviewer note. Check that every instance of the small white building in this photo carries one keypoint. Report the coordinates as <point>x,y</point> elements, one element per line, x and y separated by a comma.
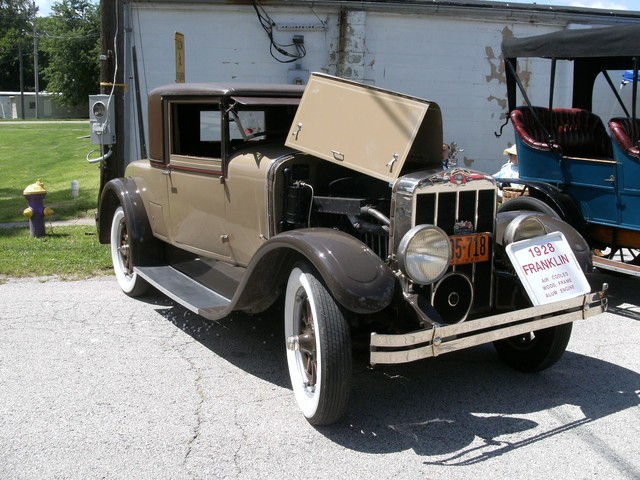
<point>445,51</point>
<point>11,106</point>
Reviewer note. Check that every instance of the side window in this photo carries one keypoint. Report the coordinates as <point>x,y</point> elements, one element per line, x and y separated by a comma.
<point>197,133</point>
<point>195,130</point>
<point>210,126</point>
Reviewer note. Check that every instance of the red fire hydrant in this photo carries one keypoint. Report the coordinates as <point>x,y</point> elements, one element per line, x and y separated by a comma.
<point>36,211</point>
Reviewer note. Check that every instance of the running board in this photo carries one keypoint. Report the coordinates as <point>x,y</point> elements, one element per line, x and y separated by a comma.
<point>613,266</point>
<point>186,291</point>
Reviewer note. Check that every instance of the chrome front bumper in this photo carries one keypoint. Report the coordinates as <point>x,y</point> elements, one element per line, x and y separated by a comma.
<point>409,347</point>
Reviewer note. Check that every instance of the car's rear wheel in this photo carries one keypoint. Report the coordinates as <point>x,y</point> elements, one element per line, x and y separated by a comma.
<point>318,348</point>
<point>624,255</point>
<point>122,257</point>
<point>535,351</point>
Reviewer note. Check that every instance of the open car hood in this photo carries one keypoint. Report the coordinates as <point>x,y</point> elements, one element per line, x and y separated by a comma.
<point>368,129</point>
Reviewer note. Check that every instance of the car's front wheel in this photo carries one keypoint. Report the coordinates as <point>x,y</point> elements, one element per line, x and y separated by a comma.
<point>122,257</point>
<point>318,348</point>
<point>535,351</point>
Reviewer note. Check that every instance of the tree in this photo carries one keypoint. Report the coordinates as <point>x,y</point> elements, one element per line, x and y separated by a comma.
<point>71,41</point>
<point>16,37</point>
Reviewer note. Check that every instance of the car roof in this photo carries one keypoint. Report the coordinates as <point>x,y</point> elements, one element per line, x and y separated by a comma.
<point>223,89</point>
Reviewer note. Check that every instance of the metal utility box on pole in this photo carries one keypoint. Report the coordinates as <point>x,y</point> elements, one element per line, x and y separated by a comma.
<point>112,82</point>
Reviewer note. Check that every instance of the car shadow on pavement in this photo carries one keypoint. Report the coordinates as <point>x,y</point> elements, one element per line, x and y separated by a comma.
<point>458,409</point>
<point>623,293</point>
<point>254,343</point>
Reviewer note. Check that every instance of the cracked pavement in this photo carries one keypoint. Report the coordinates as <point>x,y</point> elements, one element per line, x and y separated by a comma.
<point>94,384</point>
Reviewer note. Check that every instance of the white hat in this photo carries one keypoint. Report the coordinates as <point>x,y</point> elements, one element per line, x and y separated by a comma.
<point>510,151</point>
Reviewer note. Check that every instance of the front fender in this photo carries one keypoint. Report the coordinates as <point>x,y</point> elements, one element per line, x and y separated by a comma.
<point>577,242</point>
<point>358,279</point>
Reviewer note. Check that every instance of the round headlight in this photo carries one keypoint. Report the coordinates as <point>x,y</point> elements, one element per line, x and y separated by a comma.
<point>523,227</point>
<point>424,254</point>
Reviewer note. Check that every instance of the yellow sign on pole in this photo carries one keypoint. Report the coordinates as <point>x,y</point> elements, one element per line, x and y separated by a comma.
<point>180,75</point>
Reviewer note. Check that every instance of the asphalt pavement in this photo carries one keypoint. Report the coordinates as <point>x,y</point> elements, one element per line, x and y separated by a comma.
<point>96,385</point>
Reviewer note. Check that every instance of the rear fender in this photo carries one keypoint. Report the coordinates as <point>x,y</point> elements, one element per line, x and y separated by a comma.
<point>147,249</point>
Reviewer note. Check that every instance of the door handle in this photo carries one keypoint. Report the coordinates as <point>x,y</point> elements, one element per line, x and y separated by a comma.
<point>611,179</point>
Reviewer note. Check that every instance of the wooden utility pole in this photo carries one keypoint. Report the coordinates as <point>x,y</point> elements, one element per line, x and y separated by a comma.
<point>36,75</point>
<point>112,83</point>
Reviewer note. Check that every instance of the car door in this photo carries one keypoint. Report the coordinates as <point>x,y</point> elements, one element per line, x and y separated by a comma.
<point>593,183</point>
<point>195,180</point>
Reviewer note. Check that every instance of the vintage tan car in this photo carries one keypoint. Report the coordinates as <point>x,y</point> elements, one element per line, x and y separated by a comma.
<point>335,199</point>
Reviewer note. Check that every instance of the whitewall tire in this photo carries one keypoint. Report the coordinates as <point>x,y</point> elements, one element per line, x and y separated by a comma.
<point>318,348</point>
<point>122,257</point>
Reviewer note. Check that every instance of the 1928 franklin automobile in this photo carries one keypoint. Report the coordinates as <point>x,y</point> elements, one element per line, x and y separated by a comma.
<point>570,163</point>
<point>336,201</point>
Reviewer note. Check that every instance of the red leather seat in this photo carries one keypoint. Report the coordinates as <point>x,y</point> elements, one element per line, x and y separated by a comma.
<point>571,131</point>
<point>626,134</point>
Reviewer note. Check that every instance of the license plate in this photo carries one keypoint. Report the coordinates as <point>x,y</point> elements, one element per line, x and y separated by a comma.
<point>471,248</point>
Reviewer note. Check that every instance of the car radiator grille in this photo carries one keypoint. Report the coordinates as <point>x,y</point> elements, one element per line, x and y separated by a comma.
<point>444,209</point>
<point>379,244</point>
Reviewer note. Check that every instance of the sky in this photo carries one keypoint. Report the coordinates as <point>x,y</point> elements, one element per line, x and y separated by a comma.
<point>45,5</point>
<point>603,4</point>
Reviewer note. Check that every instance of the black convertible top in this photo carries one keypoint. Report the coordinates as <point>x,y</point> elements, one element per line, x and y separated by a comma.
<point>619,41</point>
<point>592,51</point>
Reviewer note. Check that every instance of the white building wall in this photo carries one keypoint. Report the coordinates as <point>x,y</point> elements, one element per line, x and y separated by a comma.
<point>452,59</point>
<point>6,109</point>
<point>456,63</point>
<point>222,44</point>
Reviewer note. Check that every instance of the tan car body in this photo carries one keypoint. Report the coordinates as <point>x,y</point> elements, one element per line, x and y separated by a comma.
<point>247,197</point>
<point>206,212</point>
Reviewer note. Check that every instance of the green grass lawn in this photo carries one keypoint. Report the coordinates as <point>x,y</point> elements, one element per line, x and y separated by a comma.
<point>65,252</point>
<point>55,153</point>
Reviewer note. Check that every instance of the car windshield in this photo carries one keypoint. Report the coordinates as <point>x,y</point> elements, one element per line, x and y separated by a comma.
<point>246,125</point>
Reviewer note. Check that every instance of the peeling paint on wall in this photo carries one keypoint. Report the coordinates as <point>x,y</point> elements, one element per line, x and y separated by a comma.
<point>496,65</point>
<point>497,72</point>
<point>501,101</point>
<point>351,50</point>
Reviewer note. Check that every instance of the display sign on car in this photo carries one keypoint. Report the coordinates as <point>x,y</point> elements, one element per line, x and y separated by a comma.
<point>548,268</point>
